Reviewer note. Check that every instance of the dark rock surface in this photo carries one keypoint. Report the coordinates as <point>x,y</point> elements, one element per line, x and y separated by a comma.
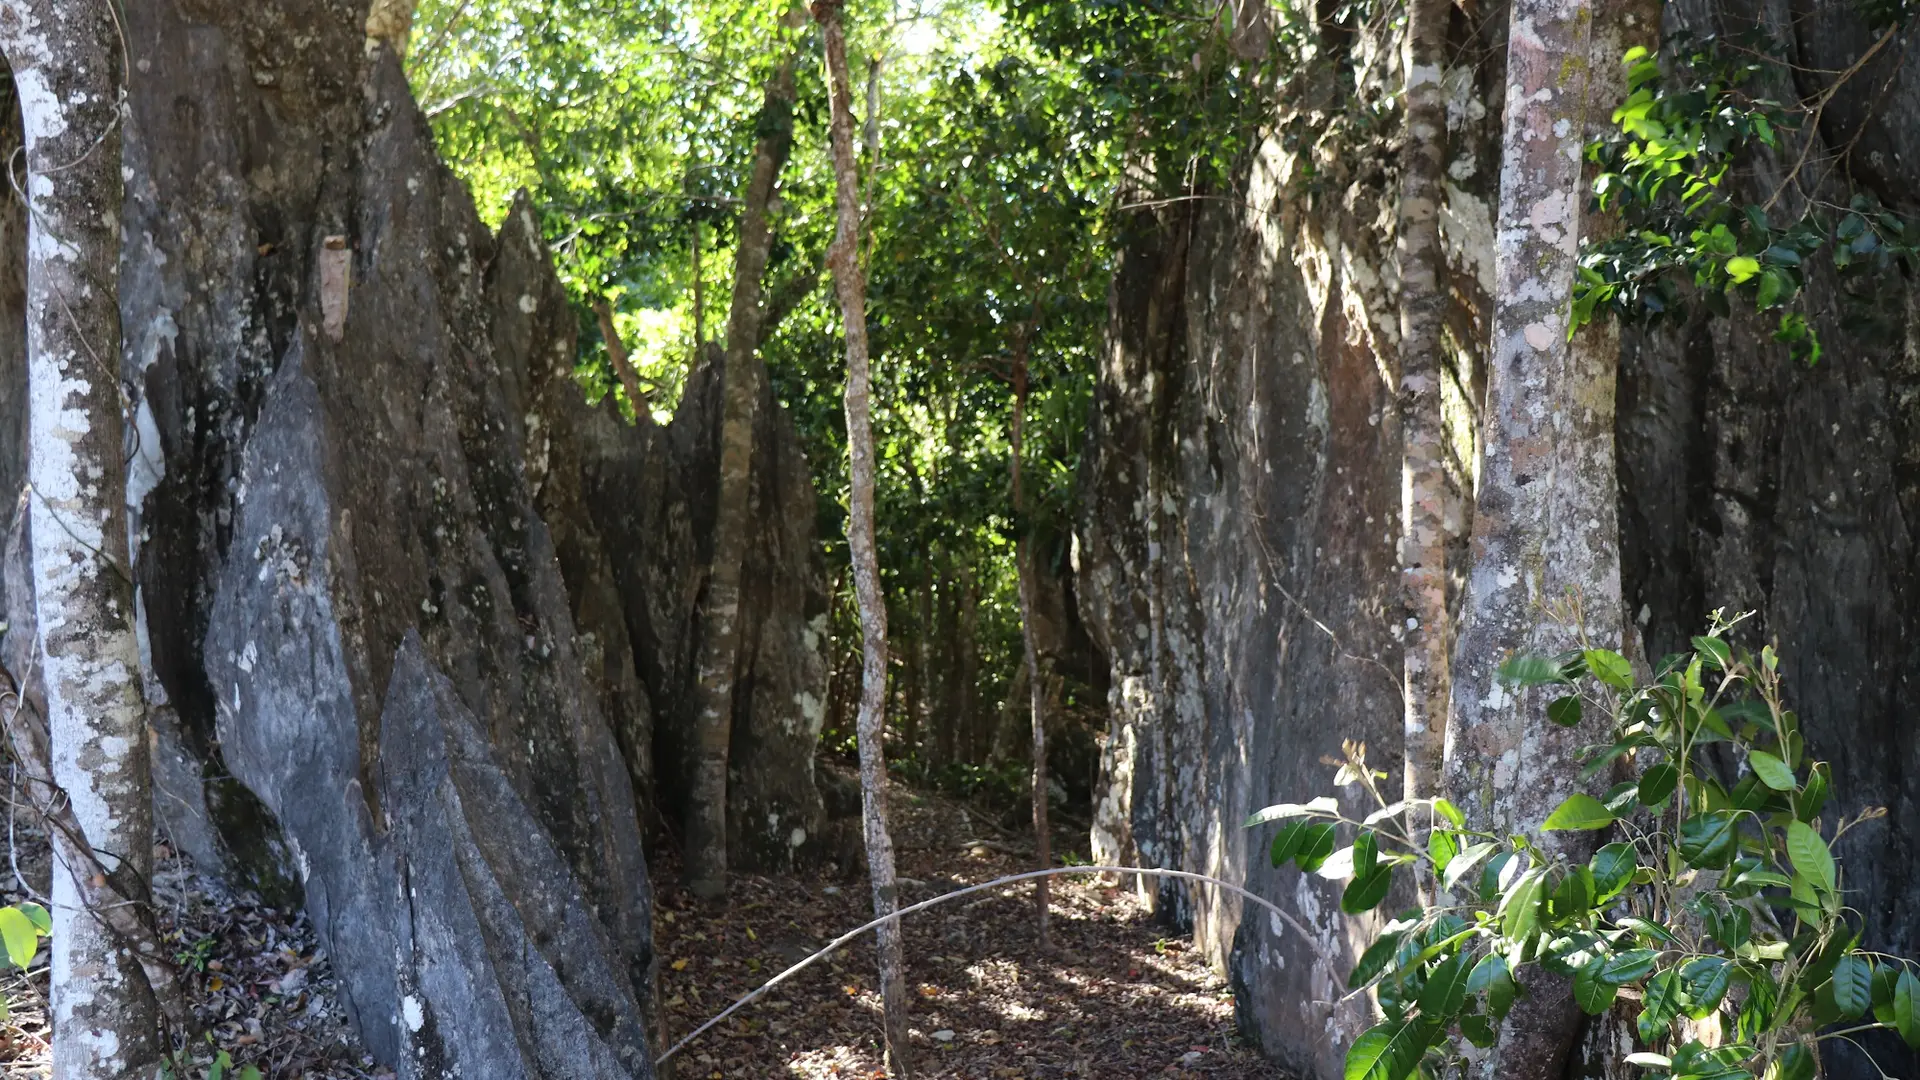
<point>1242,496</point>
<point>415,615</point>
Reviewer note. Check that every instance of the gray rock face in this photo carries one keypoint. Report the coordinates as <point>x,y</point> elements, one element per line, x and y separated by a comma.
<point>398,640</point>
<point>646,495</point>
<point>417,621</point>
<point>1237,552</point>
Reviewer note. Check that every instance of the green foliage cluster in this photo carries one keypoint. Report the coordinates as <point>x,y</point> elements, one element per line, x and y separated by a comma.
<point>1719,895</point>
<point>631,126</point>
<point>21,928</point>
<point>1689,232</point>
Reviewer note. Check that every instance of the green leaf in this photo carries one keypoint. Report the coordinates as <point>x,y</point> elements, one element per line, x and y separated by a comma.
<point>21,936</point>
<point>1649,929</point>
<point>1657,784</point>
<point>1442,846</point>
<point>1374,960</point>
<point>1757,1012</point>
<point>1814,798</point>
<point>1364,893</point>
<point>1593,994</point>
<point>1610,668</point>
<point>249,1072</point>
<point>1287,841</point>
<point>1884,978</point>
<point>1565,711</point>
<point>1852,984</point>
<point>1389,1051</point>
<point>1772,284</point>
<point>1451,812</point>
<point>1650,1061</point>
<point>1528,670</point>
<point>1906,1008</point>
<point>1706,980</point>
<point>1521,907</point>
<point>218,1070</point>
<point>1478,1029</point>
<point>1810,855</point>
<point>1366,853</point>
<point>1492,976</point>
<point>1771,770</point>
<point>1794,1063</point>
<point>1706,840</point>
<point>1446,991</point>
<point>1315,846</point>
<point>1613,868</point>
<point>1574,895</point>
<point>1629,966</point>
<point>1742,267</point>
<point>1660,1006</point>
<point>1324,806</point>
<point>1622,799</point>
<point>1579,813</point>
<point>1463,863</point>
<point>38,916</point>
<point>1714,651</point>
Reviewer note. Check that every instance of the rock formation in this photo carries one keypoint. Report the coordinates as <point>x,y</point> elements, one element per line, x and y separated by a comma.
<point>416,618</point>
<point>1241,502</point>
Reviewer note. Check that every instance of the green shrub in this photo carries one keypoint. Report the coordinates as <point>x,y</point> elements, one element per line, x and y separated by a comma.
<point>1718,896</point>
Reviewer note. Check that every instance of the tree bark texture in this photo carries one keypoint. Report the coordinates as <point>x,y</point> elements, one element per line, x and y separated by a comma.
<point>718,664</point>
<point>1038,680</point>
<point>1430,510</point>
<point>67,68</point>
<point>1545,573</point>
<point>850,282</point>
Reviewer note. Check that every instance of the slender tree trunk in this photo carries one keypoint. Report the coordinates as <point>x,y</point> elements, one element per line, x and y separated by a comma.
<point>617,357</point>
<point>1545,536</point>
<point>944,653</point>
<point>1036,676</point>
<point>68,65</point>
<point>850,281</point>
<point>967,671</point>
<point>1429,502</point>
<point>706,833</point>
<point>699,296</point>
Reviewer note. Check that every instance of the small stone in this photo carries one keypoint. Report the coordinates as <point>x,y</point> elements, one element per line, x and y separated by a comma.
<point>943,1036</point>
<point>1191,1058</point>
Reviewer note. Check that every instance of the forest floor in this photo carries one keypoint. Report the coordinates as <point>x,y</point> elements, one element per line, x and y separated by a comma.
<point>1115,995</point>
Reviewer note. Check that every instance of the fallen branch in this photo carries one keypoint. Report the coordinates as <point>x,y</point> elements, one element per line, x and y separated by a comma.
<point>1011,879</point>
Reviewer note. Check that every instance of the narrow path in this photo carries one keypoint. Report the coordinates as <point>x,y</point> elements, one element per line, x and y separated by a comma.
<point>1117,996</point>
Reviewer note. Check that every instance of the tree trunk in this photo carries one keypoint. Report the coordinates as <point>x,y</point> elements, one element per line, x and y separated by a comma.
<point>1429,502</point>
<point>849,280</point>
<point>943,653</point>
<point>706,831</point>
<point>1036,676</point>
<point>1546,570</point>
<point>67,66</point>
<point>617,357</point>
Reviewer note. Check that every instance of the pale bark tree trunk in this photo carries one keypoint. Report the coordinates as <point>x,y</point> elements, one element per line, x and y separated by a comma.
<point>68,65</point>
<point>718,663</point>
<point>1545,535</point>
<point>850,282</point>
<point>1429,501</point>
<point>1037,681</point>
